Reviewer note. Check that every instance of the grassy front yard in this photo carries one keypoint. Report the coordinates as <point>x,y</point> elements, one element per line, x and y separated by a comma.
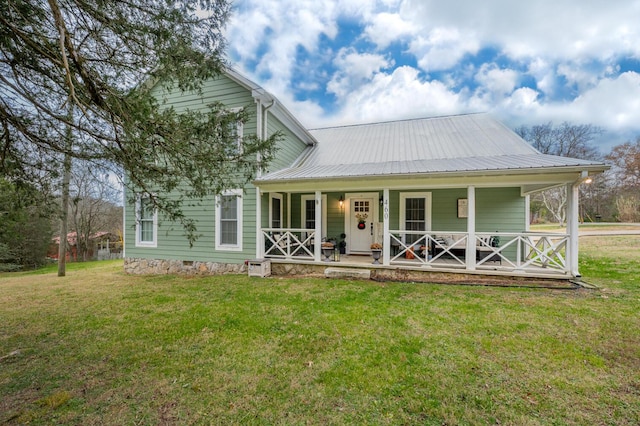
<point>100,347</point>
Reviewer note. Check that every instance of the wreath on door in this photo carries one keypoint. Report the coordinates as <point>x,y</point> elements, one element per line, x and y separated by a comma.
<point>362,217</point>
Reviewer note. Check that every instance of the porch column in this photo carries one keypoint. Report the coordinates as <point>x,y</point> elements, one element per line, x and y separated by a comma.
<point>288,210</point>
<point>386,238</point>
<point>317,241</point>
<point>471,228</point>
<point>259,238</point>
<point>572,229</point>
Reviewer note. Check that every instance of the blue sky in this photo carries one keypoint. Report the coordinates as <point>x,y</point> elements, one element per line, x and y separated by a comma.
<point>344,62</point>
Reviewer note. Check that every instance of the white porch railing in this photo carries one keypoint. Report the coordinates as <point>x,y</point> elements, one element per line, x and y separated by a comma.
<point>521,252</point>
<point>527,252</point>
<point>282,243</point>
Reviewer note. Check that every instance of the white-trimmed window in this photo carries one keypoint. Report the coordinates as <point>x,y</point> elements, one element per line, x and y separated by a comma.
<point>235,131</point>
<point>415,213</point>
<point>275,210</point>
<point>146,223</point>
<point>229,221</point>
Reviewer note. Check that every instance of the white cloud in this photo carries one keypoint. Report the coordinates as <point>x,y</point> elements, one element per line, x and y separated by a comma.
<point>443,48</point>
<point>568,48</point>
<point>496,81</point>
<point>549,28</point>
<point>279,28</point>
<point>354,69</point>
<point>386,28</point>
<point>397,95</point>
<point>612,103</point>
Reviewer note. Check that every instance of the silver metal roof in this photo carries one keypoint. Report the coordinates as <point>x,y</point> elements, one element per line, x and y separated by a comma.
<point>461,143</point>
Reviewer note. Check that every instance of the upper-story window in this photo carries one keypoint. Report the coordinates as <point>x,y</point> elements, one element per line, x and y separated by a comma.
<point>234,133</point>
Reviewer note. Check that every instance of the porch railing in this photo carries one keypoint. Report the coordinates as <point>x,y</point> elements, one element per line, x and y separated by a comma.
<point>501,251</point>
<point>524,252</point>
<point>289,243</point>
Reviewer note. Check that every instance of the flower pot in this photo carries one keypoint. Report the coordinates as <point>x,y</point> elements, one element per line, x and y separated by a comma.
<point>376,256</point>
<point>327,251</point>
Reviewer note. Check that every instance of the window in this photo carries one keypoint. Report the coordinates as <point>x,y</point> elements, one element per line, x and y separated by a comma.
<point>415,213</point>
<point>310,214</point>
<point>234,133</point>
<point>229,221</point>
<point>275,211</point>
<point>146,223</point>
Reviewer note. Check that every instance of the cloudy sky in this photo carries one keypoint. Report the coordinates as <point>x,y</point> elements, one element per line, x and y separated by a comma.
<point>355,61</point>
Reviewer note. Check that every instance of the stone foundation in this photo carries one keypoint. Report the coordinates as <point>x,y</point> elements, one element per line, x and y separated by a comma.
<point>290,269</point>
<point>192,268</point>
<point>180,267</point>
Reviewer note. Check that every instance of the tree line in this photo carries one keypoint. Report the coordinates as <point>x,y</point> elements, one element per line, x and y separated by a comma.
<point>613,196</point>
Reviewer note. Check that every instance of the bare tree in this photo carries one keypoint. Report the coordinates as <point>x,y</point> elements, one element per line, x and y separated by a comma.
<point>626,161</point>
<point>565,140</point>
<point>626,169</point>
<point>94,206</point>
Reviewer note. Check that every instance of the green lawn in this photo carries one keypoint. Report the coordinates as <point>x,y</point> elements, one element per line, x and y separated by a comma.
<point>101,347</point>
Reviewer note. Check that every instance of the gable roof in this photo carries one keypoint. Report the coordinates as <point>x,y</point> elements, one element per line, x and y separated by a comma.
<point>275,106</point>
<point>452,144</point>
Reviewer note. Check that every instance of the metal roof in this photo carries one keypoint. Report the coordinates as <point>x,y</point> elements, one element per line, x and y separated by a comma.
<point>461,143</point>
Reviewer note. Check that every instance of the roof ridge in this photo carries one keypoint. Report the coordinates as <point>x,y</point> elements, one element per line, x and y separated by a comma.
<point>437,117</point>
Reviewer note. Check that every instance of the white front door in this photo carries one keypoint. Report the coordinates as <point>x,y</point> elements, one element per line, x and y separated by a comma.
<point>361,224</point>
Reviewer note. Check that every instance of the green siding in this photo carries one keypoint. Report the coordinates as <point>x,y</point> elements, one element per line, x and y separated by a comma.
<point>220,89</point>
<point>335,217</point>
<point>296,211</point>
<point>497,209</point>
<point>288,149</point>
<point>444,208</point>
<point>171,241</point>
<point>500,209</point>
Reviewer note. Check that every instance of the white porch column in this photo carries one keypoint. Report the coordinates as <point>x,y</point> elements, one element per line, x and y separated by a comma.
<point>527,208</point>
<point>317,242</point>
<point>471,228</point>
<point>572,229</point>
<point>386,238</point>
<point>259,238</point>
<point>288,210</point>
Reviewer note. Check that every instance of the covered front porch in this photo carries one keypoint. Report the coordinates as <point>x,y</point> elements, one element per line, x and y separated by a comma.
<point>455,229</point>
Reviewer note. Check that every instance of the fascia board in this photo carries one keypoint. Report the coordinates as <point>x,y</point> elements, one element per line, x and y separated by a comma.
<point>479,179</point>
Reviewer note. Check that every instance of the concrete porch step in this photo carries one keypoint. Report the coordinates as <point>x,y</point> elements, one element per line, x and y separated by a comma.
<point>342,273</point>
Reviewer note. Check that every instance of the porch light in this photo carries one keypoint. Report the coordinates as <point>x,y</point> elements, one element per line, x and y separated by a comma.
<point>588,180</point>
<point>341,201</point>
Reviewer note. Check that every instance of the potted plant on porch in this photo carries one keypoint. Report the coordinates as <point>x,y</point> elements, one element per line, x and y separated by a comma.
<point>376,251</point>
<point>342,245</point>
<point>327,250</point>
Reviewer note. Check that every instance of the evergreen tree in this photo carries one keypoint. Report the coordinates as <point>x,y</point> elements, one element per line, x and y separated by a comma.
<point>102,58</point>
